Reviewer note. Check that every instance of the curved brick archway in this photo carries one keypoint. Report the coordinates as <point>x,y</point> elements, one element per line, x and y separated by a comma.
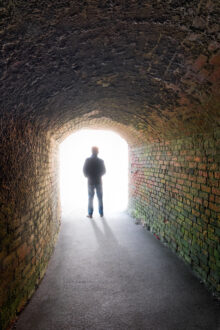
<point>147,70</point>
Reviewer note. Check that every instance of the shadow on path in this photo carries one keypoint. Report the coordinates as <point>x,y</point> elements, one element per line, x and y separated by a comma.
<point>112,274</point>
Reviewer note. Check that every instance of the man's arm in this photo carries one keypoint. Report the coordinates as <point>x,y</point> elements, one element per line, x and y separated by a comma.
<point>103,169</point>
<point>85,168</point>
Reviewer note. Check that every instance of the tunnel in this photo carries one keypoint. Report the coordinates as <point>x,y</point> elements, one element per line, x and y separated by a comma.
<point>148,70</point>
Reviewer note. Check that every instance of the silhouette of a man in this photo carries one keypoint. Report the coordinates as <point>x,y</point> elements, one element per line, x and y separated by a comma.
<point>94,169</point>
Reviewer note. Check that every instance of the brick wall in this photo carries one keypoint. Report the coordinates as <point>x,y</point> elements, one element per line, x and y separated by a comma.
<point>175,191</point>
<point>29,207</point>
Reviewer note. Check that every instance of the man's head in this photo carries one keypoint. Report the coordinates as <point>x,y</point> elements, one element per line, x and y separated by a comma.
<point>95,151</point>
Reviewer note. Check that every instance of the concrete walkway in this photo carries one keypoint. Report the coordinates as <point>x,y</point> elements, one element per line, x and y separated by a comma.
<point>112,274</point>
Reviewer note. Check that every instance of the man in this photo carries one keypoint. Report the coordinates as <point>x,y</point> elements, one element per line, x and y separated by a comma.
<point>93,169</point>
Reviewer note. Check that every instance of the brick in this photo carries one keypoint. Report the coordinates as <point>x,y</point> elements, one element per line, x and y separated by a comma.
<point>203,173</point>
<point>196,213</point>
<point>217,199</point>
<point>192,164</point>
<point>200,62</point>
<point>217,175</point>
<point>205,203</point>
<point>216,191</point>
<point>201,179</point>
<point>187,183</point>
<point>213,166</point>
<point>202,166</point>
<point>203,195</point>
<point>196,185</point>
<point>198,200</point>
<point>197,159</point>
<point>214,207</point>
<point>194,192</point>
<point>192,178</point>
<point>215,76</point>
<point>205,188</point>
<point>215,60</point>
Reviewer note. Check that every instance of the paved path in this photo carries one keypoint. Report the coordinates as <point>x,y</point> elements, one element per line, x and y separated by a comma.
<point>112,274</point>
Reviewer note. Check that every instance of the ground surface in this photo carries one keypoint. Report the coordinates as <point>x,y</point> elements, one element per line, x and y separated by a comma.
<point>112,274</point>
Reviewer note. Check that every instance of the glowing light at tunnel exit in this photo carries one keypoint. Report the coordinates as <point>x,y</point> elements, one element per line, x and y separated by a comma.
<point>73,185</point>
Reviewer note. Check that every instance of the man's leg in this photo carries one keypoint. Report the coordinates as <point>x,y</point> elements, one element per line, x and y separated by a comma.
<point>99,195</point>
<point>91,193</point>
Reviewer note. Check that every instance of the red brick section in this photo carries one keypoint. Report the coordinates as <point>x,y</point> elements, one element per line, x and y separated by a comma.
<point>175,190</point>
<point>29,213</point>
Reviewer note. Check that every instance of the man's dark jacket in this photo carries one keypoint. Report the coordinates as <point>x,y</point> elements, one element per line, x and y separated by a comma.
<point>93,169</point>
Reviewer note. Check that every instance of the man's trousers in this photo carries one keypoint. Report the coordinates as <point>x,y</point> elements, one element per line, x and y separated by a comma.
<point>91,193</point>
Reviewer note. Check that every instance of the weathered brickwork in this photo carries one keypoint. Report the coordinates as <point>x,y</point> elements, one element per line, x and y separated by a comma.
<point>29,219</point>
<point>175,191</point>
<point>151,64</point>
<point>149,70</point>
<point>92,121</point>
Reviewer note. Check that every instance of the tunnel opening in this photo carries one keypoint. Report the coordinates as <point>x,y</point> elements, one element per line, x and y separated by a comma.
<point>173,191</point>
<point>73,151</point>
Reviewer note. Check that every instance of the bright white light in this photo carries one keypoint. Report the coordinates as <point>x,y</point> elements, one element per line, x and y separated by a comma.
<point>73,152</point>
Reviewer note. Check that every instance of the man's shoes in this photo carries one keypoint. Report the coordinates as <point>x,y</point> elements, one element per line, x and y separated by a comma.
<point>90,216</point>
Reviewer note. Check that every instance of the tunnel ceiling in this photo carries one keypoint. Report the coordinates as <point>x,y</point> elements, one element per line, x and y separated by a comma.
<point>154,65</point>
